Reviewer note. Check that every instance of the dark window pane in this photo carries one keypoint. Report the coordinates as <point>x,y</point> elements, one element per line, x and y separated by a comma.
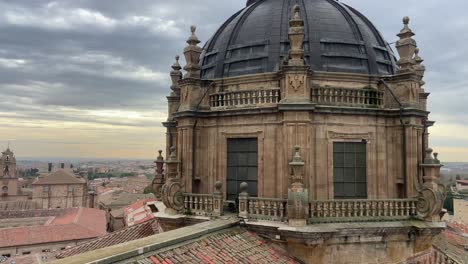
<point>338,147</point>
<point>361,189</point>
<point>339,189</point>
<point>349,189</point>
<point>350,160</point>
<point>232,159</point>
<point>361,175</point>
<point>232,173</point>
<point>361,159</point>
<point>242,159</point>
<point>252,173</point>
<point>338,174</point>
<point>242,173</point>
<point>232,187</point>
<point>253,188</point>
<point>252,159</point>
<point>350,147</point>
<point>349,175</point>
<point>361,147</point>
<point>338,159</point>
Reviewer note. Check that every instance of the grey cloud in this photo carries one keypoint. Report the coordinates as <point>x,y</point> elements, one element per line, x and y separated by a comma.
<point>53,52</point>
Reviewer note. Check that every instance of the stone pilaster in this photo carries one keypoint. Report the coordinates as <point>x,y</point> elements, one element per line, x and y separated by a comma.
<point>298,196</point>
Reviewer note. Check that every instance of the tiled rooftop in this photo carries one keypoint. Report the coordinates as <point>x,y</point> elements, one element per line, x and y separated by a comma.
<point>65,225</point>
<point>235,245</point>
<point>145,229</point>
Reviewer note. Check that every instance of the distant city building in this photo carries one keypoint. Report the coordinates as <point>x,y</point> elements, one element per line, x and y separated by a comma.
<point>139,212</point>
<point>460,211</point>
<point>10,185</point>
<point>462,185</point>
<point>60,189</point>
<point>51,230</point>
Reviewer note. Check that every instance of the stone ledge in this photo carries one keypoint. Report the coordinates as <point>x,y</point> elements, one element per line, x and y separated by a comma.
<point>135,248</point>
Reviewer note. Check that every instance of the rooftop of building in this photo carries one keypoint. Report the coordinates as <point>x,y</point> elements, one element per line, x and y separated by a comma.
<point>121,198</point>
<point>127,234</point>
<point>53,226</point>
<point>138,212</point>
<point>61,176</point>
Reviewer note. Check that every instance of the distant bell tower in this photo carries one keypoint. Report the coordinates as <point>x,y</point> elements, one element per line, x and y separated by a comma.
<point>8,180</point>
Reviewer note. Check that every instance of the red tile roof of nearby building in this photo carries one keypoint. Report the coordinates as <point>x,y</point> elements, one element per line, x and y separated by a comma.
<point>60,176</point>
<point>138,212</point>
<point>232,246</point>
<point>127,234</point>
<point>463,181</point>
<point>74,224</point>
<point>452,244</point>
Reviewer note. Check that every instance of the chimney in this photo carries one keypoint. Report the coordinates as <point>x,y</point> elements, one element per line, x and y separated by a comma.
<point>50,167</point>
<point>62,165</point>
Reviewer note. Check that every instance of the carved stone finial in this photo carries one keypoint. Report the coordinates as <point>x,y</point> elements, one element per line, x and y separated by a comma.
<point>406,47</point>
<point>296,38</point>
<point>192,55</point>
<point>218,186</point>
<point>419,68</point>
<point>244,187</point>
<point>176,75</point>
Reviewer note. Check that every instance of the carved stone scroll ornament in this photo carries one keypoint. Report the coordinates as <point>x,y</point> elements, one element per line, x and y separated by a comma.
<point>172,195</point>
<point>172,191</point>
<point>432,194</point>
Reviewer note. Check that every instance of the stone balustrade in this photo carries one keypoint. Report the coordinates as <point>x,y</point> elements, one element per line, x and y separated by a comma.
<point>198,204</point>
<point>241,99</point>
<point>362,210</point>
<point>204,204</point>
<point>270,209</point>
<point>367,98</point>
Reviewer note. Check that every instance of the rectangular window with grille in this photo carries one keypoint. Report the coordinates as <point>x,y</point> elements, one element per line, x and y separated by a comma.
<point>350,170</point>
<point>242,164</point>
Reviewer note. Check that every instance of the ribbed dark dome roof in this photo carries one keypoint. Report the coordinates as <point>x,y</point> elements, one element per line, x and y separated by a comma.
<point>337,39</point>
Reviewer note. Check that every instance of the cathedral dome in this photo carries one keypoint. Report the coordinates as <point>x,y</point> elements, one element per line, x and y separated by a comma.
<point>337,39</point>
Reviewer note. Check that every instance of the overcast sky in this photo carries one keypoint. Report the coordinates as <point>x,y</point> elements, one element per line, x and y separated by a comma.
<point>88,78</point>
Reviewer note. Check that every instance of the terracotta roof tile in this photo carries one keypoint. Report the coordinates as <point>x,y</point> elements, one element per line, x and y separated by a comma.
<point>127,234</point>
<point>60,176</point>
<point>74,224</point>
<point>232,246</point>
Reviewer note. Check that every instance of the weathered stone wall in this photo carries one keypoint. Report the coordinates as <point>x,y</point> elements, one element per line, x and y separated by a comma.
<point>60,196</point>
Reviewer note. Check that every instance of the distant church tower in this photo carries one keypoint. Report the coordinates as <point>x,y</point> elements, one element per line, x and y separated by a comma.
<point>8,179</point>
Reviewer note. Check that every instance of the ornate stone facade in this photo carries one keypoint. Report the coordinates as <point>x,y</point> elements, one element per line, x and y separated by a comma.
<point>358,137</point>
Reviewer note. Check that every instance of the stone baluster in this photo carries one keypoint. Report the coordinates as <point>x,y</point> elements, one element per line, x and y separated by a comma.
<point>298,196</point>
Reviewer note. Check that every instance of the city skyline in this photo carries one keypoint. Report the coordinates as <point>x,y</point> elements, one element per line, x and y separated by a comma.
<point>88,79</point>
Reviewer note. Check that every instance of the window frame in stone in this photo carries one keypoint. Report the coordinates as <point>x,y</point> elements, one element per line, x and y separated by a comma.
<point>241,153</point>
<point>350,179</point>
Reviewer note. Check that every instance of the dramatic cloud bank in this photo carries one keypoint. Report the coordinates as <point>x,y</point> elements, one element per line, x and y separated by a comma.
<point>87,78</point>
